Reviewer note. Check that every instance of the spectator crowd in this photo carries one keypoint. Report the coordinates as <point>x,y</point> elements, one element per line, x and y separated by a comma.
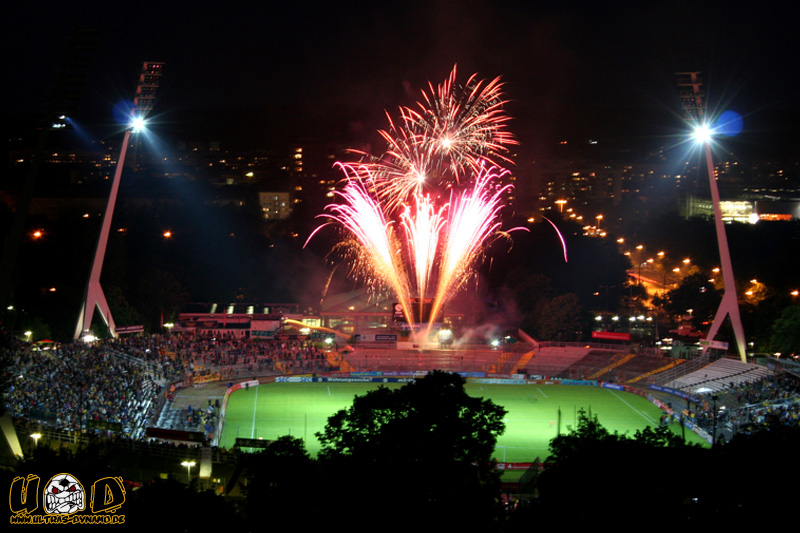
<point>115,386</point>
<point>748,406</point>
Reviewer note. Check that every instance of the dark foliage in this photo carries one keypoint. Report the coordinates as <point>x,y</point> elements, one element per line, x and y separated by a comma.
<point>424,449</point>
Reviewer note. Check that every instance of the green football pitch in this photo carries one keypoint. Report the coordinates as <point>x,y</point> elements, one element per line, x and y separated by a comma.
<point>302,409</point>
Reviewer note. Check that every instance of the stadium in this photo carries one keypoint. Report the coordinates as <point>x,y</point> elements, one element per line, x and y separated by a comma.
<point>206,399</point>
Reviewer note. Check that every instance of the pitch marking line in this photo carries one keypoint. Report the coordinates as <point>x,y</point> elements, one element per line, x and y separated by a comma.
<point>255,410</point>
<point>643,415</point>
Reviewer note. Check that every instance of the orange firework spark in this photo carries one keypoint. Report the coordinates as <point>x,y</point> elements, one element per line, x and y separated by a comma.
<point>453,146</point>
<point>474,216</point>
<point>442,141</point>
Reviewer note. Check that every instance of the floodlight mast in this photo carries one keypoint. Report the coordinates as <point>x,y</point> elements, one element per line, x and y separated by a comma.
<point>149,80</point>
<point>693,103</point>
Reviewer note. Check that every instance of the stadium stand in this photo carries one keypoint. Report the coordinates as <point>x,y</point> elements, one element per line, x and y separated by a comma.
<point>719,375</point>
<point>120,388</point>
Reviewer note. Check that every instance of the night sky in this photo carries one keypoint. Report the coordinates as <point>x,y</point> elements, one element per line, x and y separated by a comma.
<point>253,73</point>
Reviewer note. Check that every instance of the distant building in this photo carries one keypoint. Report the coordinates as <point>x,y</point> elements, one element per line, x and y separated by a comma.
<point>778,209</point>
<point>242,320</point>
<point>750,211</point>
<point>275,205</point>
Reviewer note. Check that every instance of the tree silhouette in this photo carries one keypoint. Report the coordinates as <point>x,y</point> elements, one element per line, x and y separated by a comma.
<point>696,293</point>
<point>426,447</point>
<point>561,319</point>
<point>590,472</point>
<point>275,476</point>
<point>786,331</point>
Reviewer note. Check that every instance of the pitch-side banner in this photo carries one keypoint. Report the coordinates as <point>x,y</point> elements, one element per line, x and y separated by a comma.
<point>611,335</point>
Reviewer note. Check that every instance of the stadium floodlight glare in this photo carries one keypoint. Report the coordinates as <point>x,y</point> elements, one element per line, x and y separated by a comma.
<point>702,133</point>
<point>138,124</point>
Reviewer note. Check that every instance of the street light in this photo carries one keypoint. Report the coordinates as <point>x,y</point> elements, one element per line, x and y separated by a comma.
<point>188,465</point>
<point>36,437</point>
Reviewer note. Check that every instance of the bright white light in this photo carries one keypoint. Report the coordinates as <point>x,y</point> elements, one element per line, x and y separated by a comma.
<point>702,133</point>
<point>137,123</point>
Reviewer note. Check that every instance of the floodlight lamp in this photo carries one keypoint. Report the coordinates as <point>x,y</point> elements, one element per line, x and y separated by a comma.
<point>702,133</point>
<point>137,124</point>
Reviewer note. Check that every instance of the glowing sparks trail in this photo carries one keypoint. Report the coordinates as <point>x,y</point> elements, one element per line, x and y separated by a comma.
<point>427,208</point>
<point>444,141</point>
<point>474,218</point>
<point>423,230</point>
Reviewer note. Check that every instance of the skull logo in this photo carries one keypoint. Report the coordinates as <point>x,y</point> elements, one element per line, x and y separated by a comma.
<point>64,494</point>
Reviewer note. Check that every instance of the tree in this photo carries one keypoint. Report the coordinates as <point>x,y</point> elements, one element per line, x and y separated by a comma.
<point>590,472</point>
<point>180,507</point>
<point>160,295</point>
<point>696,293</point>
<point>561,319</point>
<point>426,446</point>
<point>275,476</point>
<point>786,331</point>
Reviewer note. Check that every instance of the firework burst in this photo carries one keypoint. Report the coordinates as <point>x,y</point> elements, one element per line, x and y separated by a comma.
<point>442,142</point>
<point>418,218</point>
